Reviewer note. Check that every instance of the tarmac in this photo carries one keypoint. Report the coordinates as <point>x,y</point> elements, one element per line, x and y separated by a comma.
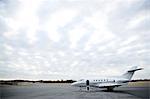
<point>66,91</point>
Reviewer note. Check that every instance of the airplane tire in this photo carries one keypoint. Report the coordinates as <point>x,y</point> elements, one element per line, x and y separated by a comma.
<point>110,88</point>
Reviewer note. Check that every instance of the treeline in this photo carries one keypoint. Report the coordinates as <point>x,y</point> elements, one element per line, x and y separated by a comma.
<point>57,81</point>
<point>140,80</point>
<point>15,82</point>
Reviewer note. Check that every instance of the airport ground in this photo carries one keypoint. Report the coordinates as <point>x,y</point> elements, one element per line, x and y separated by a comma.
<point>135,90</point>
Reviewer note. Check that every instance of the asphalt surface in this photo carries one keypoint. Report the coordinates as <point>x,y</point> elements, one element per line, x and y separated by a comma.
<point>65,91</point>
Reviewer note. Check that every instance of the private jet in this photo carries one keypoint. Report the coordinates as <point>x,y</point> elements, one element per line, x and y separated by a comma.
<point>107,82</point>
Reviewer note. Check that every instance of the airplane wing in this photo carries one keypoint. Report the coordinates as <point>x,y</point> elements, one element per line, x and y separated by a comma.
<point>103,85</point>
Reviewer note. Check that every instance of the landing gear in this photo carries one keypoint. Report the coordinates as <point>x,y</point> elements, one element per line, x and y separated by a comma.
<point>110,88</point>
<point>87,88</point>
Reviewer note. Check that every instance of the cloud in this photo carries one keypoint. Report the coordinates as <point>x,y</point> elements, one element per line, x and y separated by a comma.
<point>42,39</point>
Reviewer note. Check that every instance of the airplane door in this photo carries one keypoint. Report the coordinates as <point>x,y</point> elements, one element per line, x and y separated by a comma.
<point>87,85</point>
<point>87,82</point>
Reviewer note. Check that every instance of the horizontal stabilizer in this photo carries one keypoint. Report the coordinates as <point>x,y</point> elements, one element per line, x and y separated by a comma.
<point>128,75</point>
<point>132,70</point>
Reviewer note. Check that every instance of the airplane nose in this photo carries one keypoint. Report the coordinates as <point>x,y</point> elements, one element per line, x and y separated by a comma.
<point>73,84</point>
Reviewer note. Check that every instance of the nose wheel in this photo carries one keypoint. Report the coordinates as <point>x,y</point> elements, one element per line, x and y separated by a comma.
<point>87,88</point>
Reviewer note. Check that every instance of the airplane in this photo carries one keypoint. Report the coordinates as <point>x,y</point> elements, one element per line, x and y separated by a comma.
<point>109,83</point>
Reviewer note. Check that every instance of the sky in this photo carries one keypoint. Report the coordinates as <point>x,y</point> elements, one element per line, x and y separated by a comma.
<point>73,39</point>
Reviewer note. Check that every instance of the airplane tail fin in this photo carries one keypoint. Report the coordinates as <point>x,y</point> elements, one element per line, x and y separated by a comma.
<point>128,75</point>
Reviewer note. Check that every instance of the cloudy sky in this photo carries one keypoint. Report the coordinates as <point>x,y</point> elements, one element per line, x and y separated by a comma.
<point>73,39</point>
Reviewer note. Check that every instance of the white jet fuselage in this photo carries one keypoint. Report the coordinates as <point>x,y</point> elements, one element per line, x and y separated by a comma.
<point>107,82</point>
<point>96,82</point>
